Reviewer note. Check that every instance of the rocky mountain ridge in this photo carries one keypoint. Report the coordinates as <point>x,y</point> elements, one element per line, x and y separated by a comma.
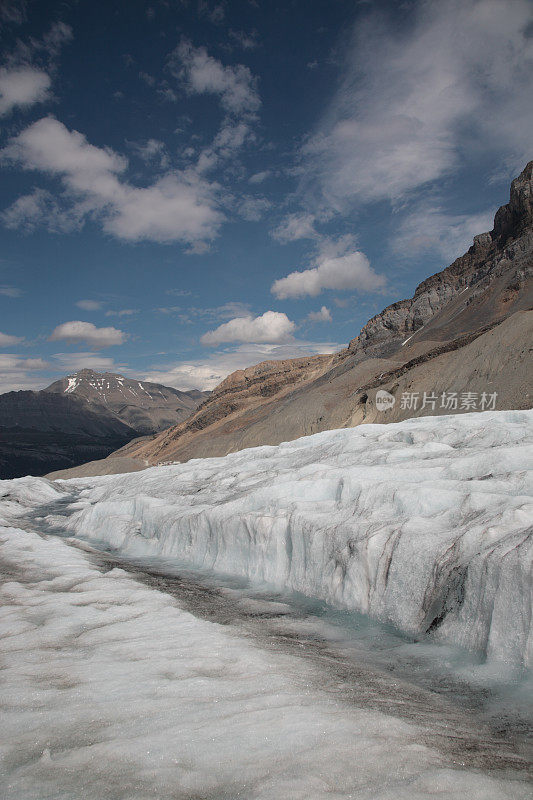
<point>84,416</point>
<point>492,255</point>
<point>147,407</point>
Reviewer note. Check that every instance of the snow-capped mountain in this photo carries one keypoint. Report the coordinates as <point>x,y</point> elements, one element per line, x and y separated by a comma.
<point>146,407</point>
<point>83,417</point>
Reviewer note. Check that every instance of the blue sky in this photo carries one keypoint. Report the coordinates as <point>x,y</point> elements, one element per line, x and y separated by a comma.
<point>189,188</point>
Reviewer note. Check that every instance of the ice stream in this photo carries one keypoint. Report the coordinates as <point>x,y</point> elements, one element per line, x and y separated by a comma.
<point>156,641</point>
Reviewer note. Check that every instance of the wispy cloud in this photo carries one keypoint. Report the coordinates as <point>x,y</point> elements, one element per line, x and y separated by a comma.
<point>453,78</point>
<point>72,362</point>
<point>17,372</point>
<point>209,372</point>
<point>123,312</point>
<point>7,340</point>
<point>430,229</point>
<point>200,73</point>
<point>10,291</point>
<point>89,305</point>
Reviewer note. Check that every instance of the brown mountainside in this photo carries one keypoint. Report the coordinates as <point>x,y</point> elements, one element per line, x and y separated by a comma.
<point>466,329</point>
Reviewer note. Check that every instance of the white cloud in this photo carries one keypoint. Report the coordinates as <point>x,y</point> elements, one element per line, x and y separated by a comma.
<point>13,11</point>
<point>253,208</point>
<point>30,211</point>
<point>209,372</point>
<point>270,327</point>
<point>226,144</point>
<point>259,177</point>
<point>248,41</point>
<point>453,78</point>
<point>89,305</point>
<point>16,372</point>
<point>324,315</point>
<point>294,227</point>
<point>72,362</point>
<point>6,340</point>
<point>77,331</point>
<point>123,312</point>
<point>179,206</point>
<point>151,151</point>
<point>22,86</point>
<point>214,14</point>
<point>430,229</point>
<point>337,266</point>
<point>203,74</point>
<point>10,291</point>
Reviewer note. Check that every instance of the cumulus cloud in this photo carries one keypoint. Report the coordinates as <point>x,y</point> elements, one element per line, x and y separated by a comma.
<point>453,78</point>
<point>270,327</point>
<point>22,87</point>
<point>324,315</point>
<point>209,372</point>
<point>77,331</point>
<point>7,341</point>
<point>89,305</point>
<point>432,230</point>
<point>336,266</point>
<point>200,73</point>
<point>179,206</point>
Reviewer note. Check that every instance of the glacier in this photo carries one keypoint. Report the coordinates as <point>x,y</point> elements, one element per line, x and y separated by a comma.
<point>109,689</point>
<point>425,524</point>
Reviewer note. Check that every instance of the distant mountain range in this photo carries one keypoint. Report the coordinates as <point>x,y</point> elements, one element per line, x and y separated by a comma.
<point>146,407</point>
<point>83,417</point>
<point>464,340</point>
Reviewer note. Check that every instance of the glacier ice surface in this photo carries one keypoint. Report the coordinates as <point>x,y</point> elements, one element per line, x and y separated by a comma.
<point>111,690</point>
<point>426,524</point>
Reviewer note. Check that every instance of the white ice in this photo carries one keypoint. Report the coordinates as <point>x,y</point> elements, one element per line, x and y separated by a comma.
<point>110,690</point>
<point>424,523</point>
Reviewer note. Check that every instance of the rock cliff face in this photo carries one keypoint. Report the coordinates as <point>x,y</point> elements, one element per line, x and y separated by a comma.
<point>466,329</point>
<point>504,251</point>
<point>244,390</point>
